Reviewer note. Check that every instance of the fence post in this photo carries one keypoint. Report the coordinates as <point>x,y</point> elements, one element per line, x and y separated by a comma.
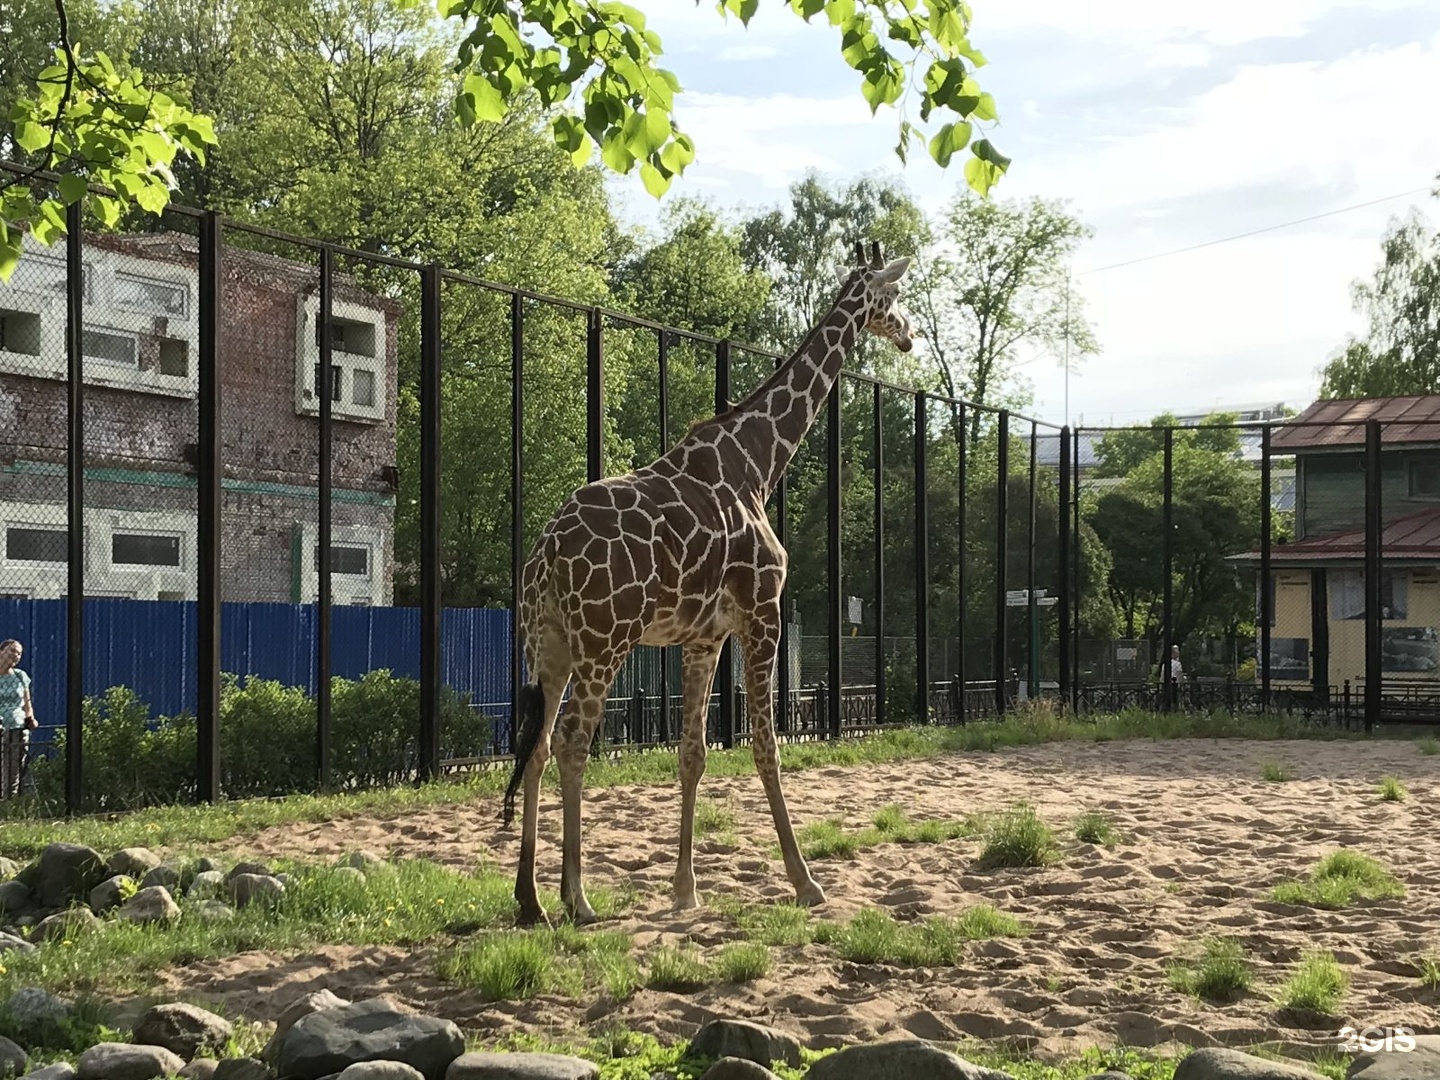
<point>922,557</point>
<point>75,510</point>
<point>1373,593</point>
<point>326,390</point>
<point>962,553</point>
<point>1032,636</point>
<point>207,514</point>
<point>1167,547</point>
<point>1063,576</point>
<point>881,681</point>
<point>666,651</point>
<point>594,395</point>
<point>1077,577</point>
<point>517,502</point>
<point>1267,596</point>
<point>784,710</point>
<point>836,602</point>
<point>1002,536</point>
<point>726,688</point>
<point>430,610</point>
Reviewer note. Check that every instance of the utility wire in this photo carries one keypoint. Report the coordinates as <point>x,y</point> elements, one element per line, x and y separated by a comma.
<point>1257,232</point>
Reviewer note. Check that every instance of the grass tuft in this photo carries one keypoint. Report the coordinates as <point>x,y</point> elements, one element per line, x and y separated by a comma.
<point>1392,790</point>
<point>714,819</point>
<point>777,924</point>
<point>1274,771</point>
<point>517,964</point>
<point>829,840</point>
<point>1341,878</point>
<point>1017,837</point>
<point>874,937</point>
<point>1429,746</point>
<point>1220,973</point>
<point>1093,827</point>
<point>1430,973</point>
<point>742,962</point>
<point>679,970</point>
<point>1317,985</point>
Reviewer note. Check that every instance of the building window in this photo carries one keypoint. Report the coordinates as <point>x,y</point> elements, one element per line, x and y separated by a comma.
<point>352,559</point>
<point>349,336</point>
<point>144,549</point>
<point>112,347</point>
<point>174,358</point>
<point>29,543</point>
<point>362,387</point>
<point>336,381</point>
<point>166,298</point>
<point>20,332</point>
<point>1347,594</point>
<point>1424,479</point>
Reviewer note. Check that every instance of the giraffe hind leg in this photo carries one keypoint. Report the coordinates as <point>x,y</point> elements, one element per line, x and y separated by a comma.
<point>699,674</point>
<point>540,704</point>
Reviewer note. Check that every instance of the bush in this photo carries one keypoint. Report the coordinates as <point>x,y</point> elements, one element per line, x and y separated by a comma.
<point>267,741</point>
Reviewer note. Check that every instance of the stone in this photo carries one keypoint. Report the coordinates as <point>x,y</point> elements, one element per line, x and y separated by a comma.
<point>247,868</point>
<point>182,1029</point>
<point>1420,1063</point>
<point>31,1006</point>
<point>245,1068</point>
<point>201,1068</point>
<point>166,876</point>
<point>8,868</point>
<point>521,1067</point>
<point>1220,1063</point>
<point>379,1070</point>
<point>14,896</point>
<point>152,905</point>
<point>206,885</point>
<point>301,1006</point>
<point>110,893</point>
<point>10,941</point>
<point>64,924</point>
<point>283,878</point>
<point>1109,1074</point>
<point>899,1060</point>
<point>350,873</point>
<point>744,1039</point>
<point>133,862</point>
<point>127,1061</point>
<point>359,860</point>
<point>66,872</point>
<point>214,911</point>
<point>254,888</point>
<point>60,1070</point>
<point>733,1068</point>
<point>332,1039</point>
<point>13,1058</point>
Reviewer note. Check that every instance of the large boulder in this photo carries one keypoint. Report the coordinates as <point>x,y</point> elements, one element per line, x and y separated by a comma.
<point>245,1068</point>
<point>903,1059</point>
<point>8,868</point>
<point>60,1070</point>
<point>127,1061</point>
<point>110,893</point>
<point>30,1007</point>
<point>1220,1063</point>
<point>152,905</point>
<point>254,889</point>
<point>10,941</point>
<point>375,1030</point>
<point>133,862</point>
<point>379,1070</point>
<point>15,896</point>
<point>182,1029</point>
<point>301,1006</point>
<point>1420,1062</point>
<point>521,1067</point>
<point>66,872</point>
<point>13,1058</point>
<point>65,924</point>
<point>744,1039</point>
<point>733,1068</point>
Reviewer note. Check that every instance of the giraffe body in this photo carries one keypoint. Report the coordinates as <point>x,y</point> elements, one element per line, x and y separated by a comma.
<point>679,552</point>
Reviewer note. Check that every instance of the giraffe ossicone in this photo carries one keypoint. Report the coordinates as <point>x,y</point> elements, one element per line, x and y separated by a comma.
<point>679,552</point>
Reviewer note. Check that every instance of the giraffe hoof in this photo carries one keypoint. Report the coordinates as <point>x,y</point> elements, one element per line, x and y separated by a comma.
<point>584,917</point>
<point>810,895</point>
<point>531,916</point>
<point>687,903</point>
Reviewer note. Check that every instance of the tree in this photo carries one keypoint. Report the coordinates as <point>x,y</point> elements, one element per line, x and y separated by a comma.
<point>592,66</point>
<point>995,282</point>
<point>1123,450</point>
<point>1400,353</point>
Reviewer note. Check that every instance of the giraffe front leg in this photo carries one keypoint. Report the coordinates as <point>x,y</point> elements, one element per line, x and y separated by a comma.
<point>699,675</point>
<point>575,733</point>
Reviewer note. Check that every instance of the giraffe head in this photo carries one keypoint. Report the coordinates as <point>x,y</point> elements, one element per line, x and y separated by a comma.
<point>878,287</point>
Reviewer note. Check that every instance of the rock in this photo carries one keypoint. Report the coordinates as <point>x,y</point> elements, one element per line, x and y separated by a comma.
<point>350,873</point>
<point>283,878</point>
<point>301,1006</point>
<point>110,893</point>
<point>254,888</point>
<point>257,868</point>
<point>8,868</point>
<point>152,905</point>
<point>10,941</point>
<point>359,860</point>
<point>379,1070</point>
<point>899,1060</point>
<point>200,1069</point>
<point>206,885</point>
<point>66,872</point>
<point>60,1070</point>
<point>1420,1063</point>
<point>126,1061</point>
<point>521,1067</point>
<point>1110,1074</point>
<point>30,1007</point>
<point>332,1039</point>
<point>743,1039</point>
<point>13,1058</point>
<point>65,924</point>
<point>213,911</point>
<point>246,1068</point>
<point>166,876</point>
<point>182,1029</point>
<point>201,864</point>
<point>733,1068</point>
<point>133,862</point>
<point>14,896</point>
<point>1219,1063</point>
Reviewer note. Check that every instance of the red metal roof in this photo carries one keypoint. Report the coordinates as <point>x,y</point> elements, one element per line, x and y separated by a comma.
<point>1341,422</point>
<point>1414,536</point>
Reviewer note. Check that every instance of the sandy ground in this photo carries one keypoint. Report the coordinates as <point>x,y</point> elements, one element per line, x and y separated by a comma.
<point>1204,841</point>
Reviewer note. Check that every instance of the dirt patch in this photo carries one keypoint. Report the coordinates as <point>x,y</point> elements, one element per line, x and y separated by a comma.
<point>1204,840</point>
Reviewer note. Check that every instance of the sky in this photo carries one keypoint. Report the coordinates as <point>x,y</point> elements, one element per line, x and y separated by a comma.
<point>1163,125</point>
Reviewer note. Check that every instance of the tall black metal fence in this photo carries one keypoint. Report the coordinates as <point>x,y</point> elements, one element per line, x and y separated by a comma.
<point>222,421</point>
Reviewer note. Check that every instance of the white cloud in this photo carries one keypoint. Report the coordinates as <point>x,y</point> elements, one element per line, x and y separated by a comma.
<point>746,53</point>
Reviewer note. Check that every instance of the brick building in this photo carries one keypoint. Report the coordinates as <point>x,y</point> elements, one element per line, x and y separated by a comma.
<point>141,340</point>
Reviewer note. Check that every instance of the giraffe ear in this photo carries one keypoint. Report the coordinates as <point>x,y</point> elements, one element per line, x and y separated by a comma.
<point>842,273</point>
<point>893,271</point>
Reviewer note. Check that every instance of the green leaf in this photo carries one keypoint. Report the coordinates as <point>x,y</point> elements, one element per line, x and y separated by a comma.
<point>108,210</point>
<point>32,137</point>
<point>50,225</point>
<point>678,153</point>
<point>616,156</point>
<point>153,197</point>
<point>984,108</point>
<point>72,189</point>
<point>9,252</point>
<point>981,175</point>
<point>486,102</point>
<point>948,141</point>
<point>656,182</point>
<point>985,151</point>
<point>840,12</point>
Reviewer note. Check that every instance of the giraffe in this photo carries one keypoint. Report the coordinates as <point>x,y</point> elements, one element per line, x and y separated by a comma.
<point>679,552</point>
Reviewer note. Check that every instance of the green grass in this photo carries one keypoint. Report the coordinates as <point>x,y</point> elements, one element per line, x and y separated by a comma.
<point>1392,790</point>
<point>714,819</point>
<point>1095,828</point>
<point>1220,973</point>
<point>517,964</point>
<point>742,962</point>
<point>1274,771</point>
<point>1341,878</point>
<point>1429,746</point>
<point>680,971</point>
<point>1318,985</point>
<point>828,839</point>
<point>1430,973</point>
<point>28,827</point>
<point>1017,837</point>
<point>776,924</point>
<point>874,937</point>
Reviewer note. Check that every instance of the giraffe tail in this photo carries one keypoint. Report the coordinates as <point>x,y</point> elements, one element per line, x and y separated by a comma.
<point>529,719</point>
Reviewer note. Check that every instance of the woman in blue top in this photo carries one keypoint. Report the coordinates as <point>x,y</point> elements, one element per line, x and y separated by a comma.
<point>17,718</point>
